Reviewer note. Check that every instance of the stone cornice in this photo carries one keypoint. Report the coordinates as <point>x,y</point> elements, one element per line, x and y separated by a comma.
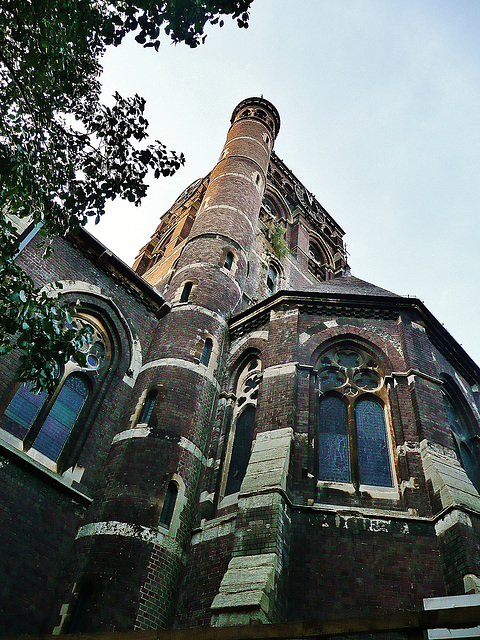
<point>360,306</point>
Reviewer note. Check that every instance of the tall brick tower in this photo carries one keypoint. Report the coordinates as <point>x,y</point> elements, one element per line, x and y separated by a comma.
<point>156,463</point>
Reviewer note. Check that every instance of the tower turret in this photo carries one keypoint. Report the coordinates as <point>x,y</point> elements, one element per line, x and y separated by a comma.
<point>215,257</point>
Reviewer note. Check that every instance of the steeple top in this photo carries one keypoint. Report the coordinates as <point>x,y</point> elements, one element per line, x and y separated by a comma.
<point>258,109</point>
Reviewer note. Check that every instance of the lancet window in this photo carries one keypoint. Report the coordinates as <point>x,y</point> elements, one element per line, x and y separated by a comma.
<point>353,443</point>
<point>45,424</point>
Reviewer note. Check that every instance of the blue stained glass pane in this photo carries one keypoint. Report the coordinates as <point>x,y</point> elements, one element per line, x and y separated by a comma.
<point>61,418</point>
<point>147,408</point>
<point>22,410</point>
<point>333,449</point>
<point>373,458</point>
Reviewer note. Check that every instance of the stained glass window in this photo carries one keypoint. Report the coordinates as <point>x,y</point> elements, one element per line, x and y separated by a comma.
<point>348,358</point>
<point>331,378</point>
<point>467,447</point>
<point>333,448</point>
<point>373,457</point>
<point>61,418</point>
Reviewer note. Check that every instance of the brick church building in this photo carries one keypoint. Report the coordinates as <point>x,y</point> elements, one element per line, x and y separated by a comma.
<point>258,436</point>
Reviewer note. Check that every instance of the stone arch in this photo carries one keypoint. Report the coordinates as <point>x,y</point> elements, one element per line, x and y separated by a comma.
<point>379,347</point>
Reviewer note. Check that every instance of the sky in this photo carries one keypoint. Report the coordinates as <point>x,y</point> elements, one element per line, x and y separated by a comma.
<point>379,103</point>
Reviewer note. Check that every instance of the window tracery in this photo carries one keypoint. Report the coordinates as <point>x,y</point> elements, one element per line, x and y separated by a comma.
<point>43,424</point>
<point>352,428</point>
<point>241,434</point>
<point>464,431</point>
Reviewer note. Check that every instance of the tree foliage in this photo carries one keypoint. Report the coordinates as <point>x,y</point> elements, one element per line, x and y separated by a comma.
<point>63,153</point>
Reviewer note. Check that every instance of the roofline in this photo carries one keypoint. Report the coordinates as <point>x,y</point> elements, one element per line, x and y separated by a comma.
<point>108,261</point>
<point>440,337</point>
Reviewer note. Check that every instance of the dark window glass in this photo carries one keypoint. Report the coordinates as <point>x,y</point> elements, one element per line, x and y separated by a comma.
<point>61,418</point>
<point>169,504</point>
<point>242,446</point>
<point>271,279</point>
<point>80,607</point>
<point>466,446</point>
<point>147,408</point>
<point>314,253</point>
<point>186,292</point>
<point>333,451</point>
<point>373,459</point>
<point>228,261</point>
<point>207,352</point>
<point>22,410</point>
<point>348,359</point>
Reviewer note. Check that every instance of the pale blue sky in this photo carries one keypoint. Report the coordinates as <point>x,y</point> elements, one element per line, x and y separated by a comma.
<point>380,109</point>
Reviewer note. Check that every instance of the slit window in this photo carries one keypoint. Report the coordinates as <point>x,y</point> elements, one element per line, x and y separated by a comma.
<point>147,408</point>
<point>272,279</point>
<point>80,608</point>
<point>187,289</point>
<point>207,352</point>
<point>169,503</point>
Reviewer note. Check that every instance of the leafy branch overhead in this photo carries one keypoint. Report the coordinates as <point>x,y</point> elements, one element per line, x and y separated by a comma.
<point>63,153</point>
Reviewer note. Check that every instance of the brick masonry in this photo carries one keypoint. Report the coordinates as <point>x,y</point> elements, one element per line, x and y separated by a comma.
<point>287,546</point>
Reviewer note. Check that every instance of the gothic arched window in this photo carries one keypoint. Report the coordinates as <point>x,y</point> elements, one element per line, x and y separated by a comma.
<point>228,261</point>
<point>333,448</point>
<point>207,352</point>
<point>61,418</point>
<point>464,432</point>
<point>169,503</point>
<point>44,424</point>
<point>316,261</point>
<point>352,430</point>
<point>241,449</point>
<point>373,457</point>
<point>240,438</point>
